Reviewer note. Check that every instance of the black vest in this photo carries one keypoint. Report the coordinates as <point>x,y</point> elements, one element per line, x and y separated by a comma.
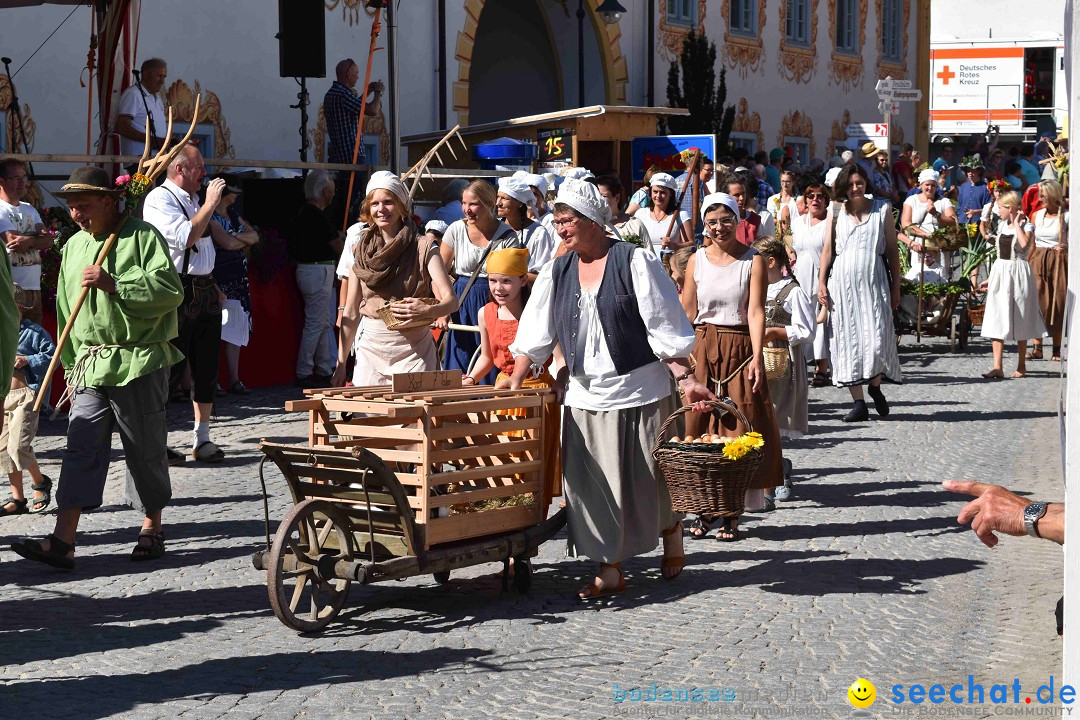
<point>616,304</point>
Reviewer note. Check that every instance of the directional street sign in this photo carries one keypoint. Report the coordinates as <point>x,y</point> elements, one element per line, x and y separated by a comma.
<point>888,89</point>
<point>888,107</point>
<point>904,95</point>
<point>867,130</point>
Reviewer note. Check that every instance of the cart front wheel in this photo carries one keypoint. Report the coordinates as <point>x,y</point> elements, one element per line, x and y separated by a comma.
<point>304,593</point>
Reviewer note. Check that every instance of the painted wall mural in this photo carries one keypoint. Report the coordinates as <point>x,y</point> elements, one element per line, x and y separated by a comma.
<point>13,139</point>
<point>748,122</point>
<point>839,133</point>
<point>798,63</point>
<point>671,35</point>
<point>372,126</point>
<point>182,99</point>
<point>797,124</point>
<point>898,71</point>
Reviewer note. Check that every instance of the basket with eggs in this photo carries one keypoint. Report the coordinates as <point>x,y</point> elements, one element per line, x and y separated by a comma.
<point>710,473</point>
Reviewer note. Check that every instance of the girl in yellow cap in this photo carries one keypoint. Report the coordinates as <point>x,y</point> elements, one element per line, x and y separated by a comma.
<point>507,271</point>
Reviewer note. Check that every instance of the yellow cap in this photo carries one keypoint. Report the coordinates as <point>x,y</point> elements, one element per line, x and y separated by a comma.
<point>508,261</point>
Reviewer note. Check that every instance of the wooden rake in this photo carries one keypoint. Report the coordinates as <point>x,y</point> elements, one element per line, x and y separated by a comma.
<point>147,171</point>
<point>416,172</point>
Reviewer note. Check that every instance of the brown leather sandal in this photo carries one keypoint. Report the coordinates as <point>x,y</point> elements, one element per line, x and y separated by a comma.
<point>592,590</point>
<point>672,565</point>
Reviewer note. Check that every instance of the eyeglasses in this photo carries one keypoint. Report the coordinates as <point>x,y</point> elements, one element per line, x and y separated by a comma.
<point>815,196</point>
<point>563,223</point>
<point>726,222</point>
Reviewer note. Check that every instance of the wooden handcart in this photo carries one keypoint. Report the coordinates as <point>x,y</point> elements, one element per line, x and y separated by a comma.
<point>398,484</point>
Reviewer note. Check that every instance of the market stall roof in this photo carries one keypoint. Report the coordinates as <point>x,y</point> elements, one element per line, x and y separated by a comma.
<point>555,118</point>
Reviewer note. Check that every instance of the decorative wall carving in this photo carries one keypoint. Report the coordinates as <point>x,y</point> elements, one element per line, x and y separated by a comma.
<point>350,10</point>
<point>839,133</point>
<point>14,139</point>
<point>797,124</point>
<point>181,99</point>
<point>898,71</point>
<point>670,37</point>
<point>372,126</point>
<point>845,69</point>
<point>741,52</point>
<point>747,122</point>
<point>798,63</point>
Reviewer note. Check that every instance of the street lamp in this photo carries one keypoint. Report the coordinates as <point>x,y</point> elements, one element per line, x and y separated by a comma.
<point>609,11</point>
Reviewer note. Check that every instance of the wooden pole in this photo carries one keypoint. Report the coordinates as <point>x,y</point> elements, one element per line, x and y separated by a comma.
<point>151,169</point>
<point>375,26</point>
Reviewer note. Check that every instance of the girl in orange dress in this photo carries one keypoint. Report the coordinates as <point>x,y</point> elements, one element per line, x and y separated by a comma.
<point>507,271</point>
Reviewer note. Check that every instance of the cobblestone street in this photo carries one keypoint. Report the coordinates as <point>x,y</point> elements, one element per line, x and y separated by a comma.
<point>865,573</point>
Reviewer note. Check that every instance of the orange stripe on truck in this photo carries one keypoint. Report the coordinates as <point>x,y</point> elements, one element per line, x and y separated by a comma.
<point>971,53</point>
<point>1002,115</point>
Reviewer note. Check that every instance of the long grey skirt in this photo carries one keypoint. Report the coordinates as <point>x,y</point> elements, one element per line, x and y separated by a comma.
<point>616,499</point>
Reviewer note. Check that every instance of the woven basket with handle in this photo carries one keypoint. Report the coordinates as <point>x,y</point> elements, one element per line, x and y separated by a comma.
<point>699,478</point>
<point>386,314</point>
<point>776,362</point>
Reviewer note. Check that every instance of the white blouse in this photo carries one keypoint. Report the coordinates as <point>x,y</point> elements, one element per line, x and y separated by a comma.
<point>803,323</point>
<point>541,245</point>
<point>466,254</point>
<point>659,228</point>
<point>600,387</point>
<point>1048,229</point>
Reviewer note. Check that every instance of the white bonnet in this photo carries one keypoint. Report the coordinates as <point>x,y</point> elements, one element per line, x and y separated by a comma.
<point>517,189</point>
<point>719,198</point>
<point>586,199</point>
<point>385,180</point>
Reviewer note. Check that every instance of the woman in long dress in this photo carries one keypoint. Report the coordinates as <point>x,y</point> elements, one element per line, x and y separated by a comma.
<point>1050,263</point>
<point>859,282</point>
<point>807,219</point>
<point>395,263</point>
<point>615,314</point>
<point>462,250</point>
<point>924,213</point>
<point>724,296</point>
<point>1012,300</point>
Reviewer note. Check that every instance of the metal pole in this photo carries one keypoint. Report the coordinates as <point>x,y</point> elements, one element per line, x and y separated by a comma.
<point>302,104</point>
<point>391,49</point>
<point>650,54</point>
<point>580,54</point>
<point>442,63</point>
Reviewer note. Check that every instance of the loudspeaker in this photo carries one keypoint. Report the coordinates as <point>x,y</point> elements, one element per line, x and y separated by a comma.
<point>302,38</point>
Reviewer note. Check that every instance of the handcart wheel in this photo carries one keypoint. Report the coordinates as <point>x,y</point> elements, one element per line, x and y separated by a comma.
<point>311,538</point>
<point>965,330</point>
<point>954,333</point>
<point>522,574</point>
<point>442,576</point>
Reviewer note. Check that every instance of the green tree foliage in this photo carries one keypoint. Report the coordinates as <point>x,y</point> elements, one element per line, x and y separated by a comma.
<point>692,85</point>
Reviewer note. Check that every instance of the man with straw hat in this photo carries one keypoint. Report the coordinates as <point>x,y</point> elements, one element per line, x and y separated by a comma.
<point>117,365</point>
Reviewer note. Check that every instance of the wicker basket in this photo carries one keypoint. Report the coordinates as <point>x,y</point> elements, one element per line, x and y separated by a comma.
<point>776,362</point>
<point>975,313</point>
<point>700,479</point>
<point>386,314</point>
<point>949,239</point>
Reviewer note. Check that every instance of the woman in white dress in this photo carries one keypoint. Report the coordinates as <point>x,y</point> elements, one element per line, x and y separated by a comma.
<point>859,282</point>
<point>807,221</point>
<point>657,219</point>
<point>924,213</point>
<point>776,203</point>
<point>396,263</point>
<point>1050,262</point>
<point>512,204</point>
<point>1012,301</point>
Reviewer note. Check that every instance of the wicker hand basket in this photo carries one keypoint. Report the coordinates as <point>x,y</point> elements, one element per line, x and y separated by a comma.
<point>776,362</point>
<point>948,238</point>
<point>386,314</point>
<point>700,479</point>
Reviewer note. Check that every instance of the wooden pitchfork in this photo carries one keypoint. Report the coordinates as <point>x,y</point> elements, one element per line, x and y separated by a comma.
<point>147,171</point>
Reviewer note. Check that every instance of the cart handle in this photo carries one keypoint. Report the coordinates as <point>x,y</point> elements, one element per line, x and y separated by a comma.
<point>266,500</point>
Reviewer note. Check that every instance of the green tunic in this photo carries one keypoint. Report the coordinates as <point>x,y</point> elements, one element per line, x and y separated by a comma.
<point>9,327</point>
<point>139,318</point>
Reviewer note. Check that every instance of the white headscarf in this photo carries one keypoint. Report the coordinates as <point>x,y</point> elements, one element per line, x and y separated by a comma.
<point>552,181</point>
<point>830,177</point>
<point>385,180</point>
<point>932,175</point>
<point>719,199</point>
<point>586,199</point>
<point>577,173</point>
<point>436,226</point>
<point>517,189</point>
<point>662,179</point>
<point>520,175</point>
<point>536,181</point>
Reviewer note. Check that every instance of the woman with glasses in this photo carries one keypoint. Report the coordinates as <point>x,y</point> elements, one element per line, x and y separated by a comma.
<point>860,275</point>
<point>807,220</point>
<point>724,297</point>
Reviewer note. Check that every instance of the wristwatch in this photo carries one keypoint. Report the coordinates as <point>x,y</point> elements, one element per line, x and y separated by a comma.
<point>685,376</point>
<point>1032,514</point>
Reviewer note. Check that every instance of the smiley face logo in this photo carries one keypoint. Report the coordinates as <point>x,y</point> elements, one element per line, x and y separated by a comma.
<point>862,694</point>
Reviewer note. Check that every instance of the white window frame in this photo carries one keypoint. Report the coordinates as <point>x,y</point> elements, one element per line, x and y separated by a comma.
<point>797,19</point>
<point>892,36</point>
<point>847,27</point>
<point>746,11</point>
<point>744,140</point>
<point>682,13</point>
<point>800,149</point>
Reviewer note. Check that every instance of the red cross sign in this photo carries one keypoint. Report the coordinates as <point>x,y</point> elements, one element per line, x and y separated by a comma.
<point>946,75</point>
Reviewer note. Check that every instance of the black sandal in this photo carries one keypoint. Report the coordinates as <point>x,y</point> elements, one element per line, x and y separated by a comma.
<point>56,555</point>
<point>820,379</point>
<point>45,488</point>
<point>19,509</point>
<point>728,533</point>
<point>700,528</point>
<point>153,551</point>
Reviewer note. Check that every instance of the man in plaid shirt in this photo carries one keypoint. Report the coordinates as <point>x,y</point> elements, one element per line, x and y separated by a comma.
<point>341,105</point>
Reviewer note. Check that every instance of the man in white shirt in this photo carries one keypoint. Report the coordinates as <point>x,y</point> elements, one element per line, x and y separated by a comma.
<point>24,235</point>
<point>173,208</point>
<point>140,102</point>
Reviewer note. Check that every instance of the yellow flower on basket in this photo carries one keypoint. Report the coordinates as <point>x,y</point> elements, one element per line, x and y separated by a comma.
<point>735,449</point>
<point>754,440</point>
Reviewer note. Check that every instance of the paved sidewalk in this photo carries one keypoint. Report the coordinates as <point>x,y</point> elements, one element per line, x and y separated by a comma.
<point>864,574</point>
